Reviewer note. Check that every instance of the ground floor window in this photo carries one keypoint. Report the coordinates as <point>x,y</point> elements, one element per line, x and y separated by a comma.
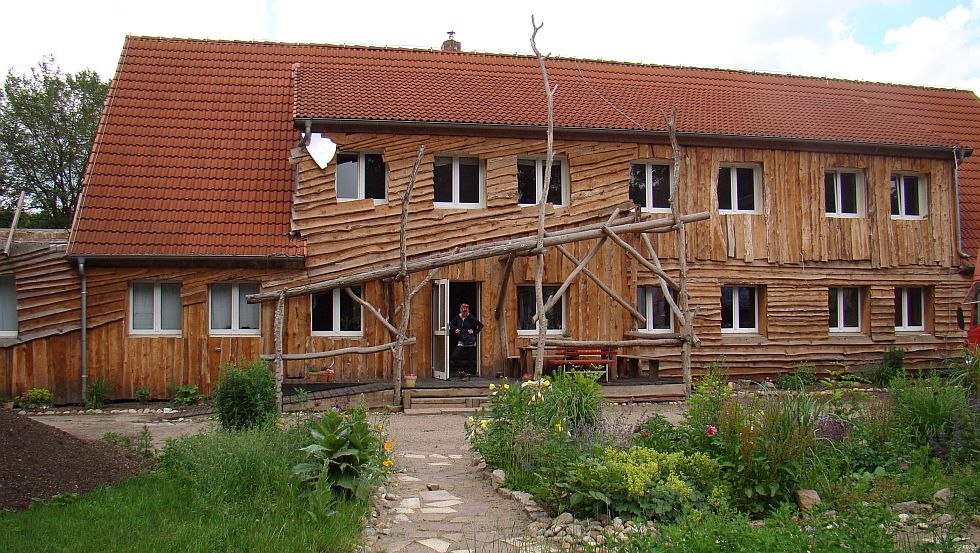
<point>652,304</point>
<point>154,308</point>
<point>844,308</point>
<point>230,313</point>
<point>8,306</point>
<point>739,309</point>
<point>335,313</point>
<point>910,309</point>
<point>527,309</point>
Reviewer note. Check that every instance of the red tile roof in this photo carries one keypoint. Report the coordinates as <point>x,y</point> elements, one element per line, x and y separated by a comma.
<point>192,150</point>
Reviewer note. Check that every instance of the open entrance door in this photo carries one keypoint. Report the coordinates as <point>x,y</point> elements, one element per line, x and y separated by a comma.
<point>440,328</point>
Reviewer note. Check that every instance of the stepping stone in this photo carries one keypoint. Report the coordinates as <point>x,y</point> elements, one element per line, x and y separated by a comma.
<point>455,456</point>
<point>436,495</point>
<point>438,510</point>
<point>446,503</point>
<point>437,456</point>
<point>410,503</point>
<point>404,511</point>
<point>461,551</point>
<point>441,546</point>
<point>405,478</point>
<point>413,456</point>
<point>400,518</point>
<point>440,464</point>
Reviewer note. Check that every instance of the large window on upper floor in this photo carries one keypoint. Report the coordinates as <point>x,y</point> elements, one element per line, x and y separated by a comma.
<point>360,176</point>
<point>908,196</point>
<point>335,313</point>
<point>527,309</point>
<point>154,308</point>
<point>530,175</point>
<point>740,309</point>
<point>652,304</point>
<point>8,306</point>
<point>650,186</point>
<point>910,308</point>
<point>457,181</point>
<point>844,193</point>
<point>229,312</point>
<point>739,189</point>
<point>844,309</point>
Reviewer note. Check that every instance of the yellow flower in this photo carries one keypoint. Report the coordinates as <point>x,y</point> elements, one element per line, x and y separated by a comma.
<point>558,427</point>
<point>484,423</point>
<point>388,462</point>
<point>493,386</point>
<point>546,383</point>
<point>380,427</point>
<point>387,446</point>
<point>507,386</point>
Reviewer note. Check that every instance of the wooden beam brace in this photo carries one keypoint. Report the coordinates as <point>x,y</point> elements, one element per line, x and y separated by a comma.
<point>498,311</point>
<point>663,285</point>
<point>372,310</point>
<point>639,257</point>
<point>362,350</point>
<point>605,288</point>
<point>578,268</point>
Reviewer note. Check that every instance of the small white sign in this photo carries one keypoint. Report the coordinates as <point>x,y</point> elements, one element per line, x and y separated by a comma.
<point>321,149</point>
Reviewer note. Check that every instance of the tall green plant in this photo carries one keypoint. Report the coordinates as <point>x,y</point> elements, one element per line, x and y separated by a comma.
<point>704,408</point>
<point>927,406</point>
<point>245,395</point>
<point>98,392</point>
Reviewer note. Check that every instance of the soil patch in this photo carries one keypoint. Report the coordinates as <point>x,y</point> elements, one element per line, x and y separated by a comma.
<point>38,461</point>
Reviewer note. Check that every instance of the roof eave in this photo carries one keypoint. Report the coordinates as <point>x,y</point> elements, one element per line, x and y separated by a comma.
<point>283,261</point>
<point>581,133</point>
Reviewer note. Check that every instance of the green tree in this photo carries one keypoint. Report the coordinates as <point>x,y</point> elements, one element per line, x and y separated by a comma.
<point>47,124</point>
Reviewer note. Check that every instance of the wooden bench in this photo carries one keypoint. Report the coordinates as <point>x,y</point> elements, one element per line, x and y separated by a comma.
<point>582,359</point>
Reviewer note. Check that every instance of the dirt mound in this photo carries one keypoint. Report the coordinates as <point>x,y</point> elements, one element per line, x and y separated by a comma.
<point>38,461</point>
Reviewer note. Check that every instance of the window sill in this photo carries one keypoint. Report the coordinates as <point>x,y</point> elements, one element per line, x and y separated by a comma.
<point>660,210</point>
<point>534,333</point>
<point>157,334</point>
<point>908,217</point>
<point>8,334</point>
<point>653,332</point>
<point>737,212</point>
<point>446,205</point>
<point>845,216</point>
<point>337,334</point>
<point>234,334</point>
<point>556,206</point>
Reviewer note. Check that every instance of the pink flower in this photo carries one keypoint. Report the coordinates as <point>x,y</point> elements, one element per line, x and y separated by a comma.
<point>710,430</point>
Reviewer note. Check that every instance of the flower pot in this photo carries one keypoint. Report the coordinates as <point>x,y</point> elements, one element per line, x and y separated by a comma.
<point>410,381</point>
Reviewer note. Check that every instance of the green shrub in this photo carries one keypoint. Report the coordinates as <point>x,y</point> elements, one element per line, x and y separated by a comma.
<point>98,392</point>
<point>657,433</point>
<point>762,447</point>
<point>965,371</point>
<point>186,396</point>
<point>575,398</point>
<point>802,376</point>
<point>704,408</point>
<point>245,396</point>
<point>641,483</point>
<point>347,456</point>
<point>34,398</point>
<point>143,395</point>
<point>927,406</point>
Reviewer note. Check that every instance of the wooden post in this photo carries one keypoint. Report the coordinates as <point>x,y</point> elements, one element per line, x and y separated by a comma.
<point>499,313</point>
<point>403,273</point>
<point>279,365</point>
<point>675,203</point>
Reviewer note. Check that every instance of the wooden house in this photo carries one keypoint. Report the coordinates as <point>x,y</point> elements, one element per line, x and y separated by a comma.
<point>842,216</point>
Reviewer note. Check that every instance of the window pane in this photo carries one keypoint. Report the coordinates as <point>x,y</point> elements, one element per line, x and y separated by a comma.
<point>555,313</point>
<point>641,302</point>
<point>8,304</point>
<point>910,191</point>
<point>526,181</point>
<point>248,313</point>
<point>322,312</point>
<point>638,187</point>
<point>469,180</point>
<point>442,176</point>
<point>833,308</point>
<point>525,308</point>
<point>170,306</point>
<point>727,307</point>
<point>221,306</point>
<point>899,307</point>
<point>661,186</point>
<point>894,196</point>
<point>347,176</point>
<point>725,189</point>
<point>914,296</point>
<point>852,307</point>
<point>746,307</point>
<point>554,187</point>
<point>848,193</point>
<point>350,311</point>
<point>374,177</point>
<point>830,191</point>
<point>142,306</point>
<point>745,188</point>
<point>659,319</point>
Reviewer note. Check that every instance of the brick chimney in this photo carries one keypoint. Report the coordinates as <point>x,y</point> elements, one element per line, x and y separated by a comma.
<point>451,45</point>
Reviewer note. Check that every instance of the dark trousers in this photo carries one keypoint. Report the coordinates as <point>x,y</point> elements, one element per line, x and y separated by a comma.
<point>463,358</point>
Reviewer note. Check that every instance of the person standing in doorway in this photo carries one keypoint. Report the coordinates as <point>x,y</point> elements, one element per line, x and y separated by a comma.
<point>465,327</point>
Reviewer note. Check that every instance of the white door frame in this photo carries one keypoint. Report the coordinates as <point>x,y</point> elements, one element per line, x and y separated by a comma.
<point>440,328</point>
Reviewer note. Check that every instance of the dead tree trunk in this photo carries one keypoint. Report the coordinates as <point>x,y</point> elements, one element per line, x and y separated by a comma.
<point>399,357</point>
<point>279,363</point>
<point>675,202</point>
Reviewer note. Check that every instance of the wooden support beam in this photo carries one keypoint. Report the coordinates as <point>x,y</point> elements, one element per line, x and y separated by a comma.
<point>578,268</point>
<point>663,285</point>
<point>499,312</point>
<point>362,350</point>
<point>640,259</point>
<point>372,310</point>
<point>13,224</point>
<point>604,287</point>
<point>278,357</point>
<point>484,251</point>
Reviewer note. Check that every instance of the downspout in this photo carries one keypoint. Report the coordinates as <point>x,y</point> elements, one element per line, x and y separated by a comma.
<point>81,270</point>
<point>305,139</point>
<point>959,154</point>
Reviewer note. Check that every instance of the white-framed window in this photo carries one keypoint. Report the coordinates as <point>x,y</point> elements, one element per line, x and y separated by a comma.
<point>910,308</point>
<point>652,304</point>
<point>844,193</point>
<point>229,313</point>
<point>530,175</point>
<point>650,186</point>
<point>8,306</point>
<point>360,176</point>
<point>739,189</point>
<point>335,313</point>
<point>844,309</point>
<point>908,196</point>
<point>457,181</point>
<point>155,308</point>
<point>527,309</point>
<point>739,309</point>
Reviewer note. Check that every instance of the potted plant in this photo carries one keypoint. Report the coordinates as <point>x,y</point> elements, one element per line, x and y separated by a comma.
<point>410,380</point>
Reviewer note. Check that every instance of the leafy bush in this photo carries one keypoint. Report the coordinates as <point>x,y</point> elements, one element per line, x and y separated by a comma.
<point>575,398</point>
<point>704,409</point>
<point>802,376</point>
<point>657,433</point>
<point>245,396</point>
<point>34,398</point>
<point>186,396</point>
<point>347,456</point>
<point>965,371</point>
<point>926,407</point>
<point>143,395</point>
<point>98,392</point>
<point>642,483</point>
<point>762,447</point>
